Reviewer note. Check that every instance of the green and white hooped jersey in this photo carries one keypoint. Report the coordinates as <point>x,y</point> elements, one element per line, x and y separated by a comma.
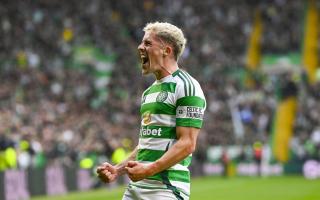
<point>176,100</point>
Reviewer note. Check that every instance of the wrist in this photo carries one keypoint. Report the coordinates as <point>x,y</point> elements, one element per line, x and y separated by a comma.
<point>119,169</point>
<point>154,168</point>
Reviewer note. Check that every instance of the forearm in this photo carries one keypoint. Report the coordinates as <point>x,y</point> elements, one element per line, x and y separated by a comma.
<point>174,155</point>
<point>121,166</point>
<point>185,145</point>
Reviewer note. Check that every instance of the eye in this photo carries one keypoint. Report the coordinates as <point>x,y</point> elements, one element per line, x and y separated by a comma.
<point>147,43</point>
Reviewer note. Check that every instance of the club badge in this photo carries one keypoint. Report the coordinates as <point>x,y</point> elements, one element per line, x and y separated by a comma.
<point>162,96</point>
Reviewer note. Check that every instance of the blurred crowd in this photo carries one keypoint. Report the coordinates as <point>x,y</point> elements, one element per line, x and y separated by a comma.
<point>45,110</point>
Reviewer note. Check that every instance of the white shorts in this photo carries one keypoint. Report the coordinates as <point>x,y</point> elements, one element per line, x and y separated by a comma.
<point>137,193</point>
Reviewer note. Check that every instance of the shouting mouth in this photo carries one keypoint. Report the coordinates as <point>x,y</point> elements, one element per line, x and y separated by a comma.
<point>144,60</point>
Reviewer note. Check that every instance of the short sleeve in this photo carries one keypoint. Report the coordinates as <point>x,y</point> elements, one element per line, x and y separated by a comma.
<point>190,111</point>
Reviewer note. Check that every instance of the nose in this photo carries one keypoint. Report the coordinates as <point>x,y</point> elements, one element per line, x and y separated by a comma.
<point>140,47</point>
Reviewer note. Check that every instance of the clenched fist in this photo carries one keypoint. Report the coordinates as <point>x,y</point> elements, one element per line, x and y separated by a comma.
<point>107,172</point>
<point>138,171</point>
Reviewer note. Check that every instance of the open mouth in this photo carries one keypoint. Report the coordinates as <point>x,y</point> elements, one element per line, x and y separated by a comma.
<point>144,59</point>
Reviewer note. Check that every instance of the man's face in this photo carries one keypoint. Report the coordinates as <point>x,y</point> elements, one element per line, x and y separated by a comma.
<point>151,53</point>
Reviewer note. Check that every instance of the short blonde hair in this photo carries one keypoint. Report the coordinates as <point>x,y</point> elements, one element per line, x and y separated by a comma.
<point>170,34</point>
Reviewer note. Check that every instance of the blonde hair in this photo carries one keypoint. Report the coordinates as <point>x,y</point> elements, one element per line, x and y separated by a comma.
<point>169,34</point>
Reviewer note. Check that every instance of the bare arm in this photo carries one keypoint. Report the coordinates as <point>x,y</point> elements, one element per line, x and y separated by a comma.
<point>186,144</point>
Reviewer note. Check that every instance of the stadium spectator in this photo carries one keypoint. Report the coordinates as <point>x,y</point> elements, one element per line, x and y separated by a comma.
<point>47,99</point>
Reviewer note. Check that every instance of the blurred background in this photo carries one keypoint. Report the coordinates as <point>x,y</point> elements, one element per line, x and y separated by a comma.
<point>71,86</point>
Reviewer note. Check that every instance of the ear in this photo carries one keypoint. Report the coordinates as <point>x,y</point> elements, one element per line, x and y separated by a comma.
<point>167,51</point>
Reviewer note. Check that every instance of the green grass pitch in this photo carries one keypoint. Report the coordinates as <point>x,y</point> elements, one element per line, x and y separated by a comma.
<point>216,188</point>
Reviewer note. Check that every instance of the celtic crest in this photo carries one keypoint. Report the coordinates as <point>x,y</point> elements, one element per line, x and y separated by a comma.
<point>162,96</point>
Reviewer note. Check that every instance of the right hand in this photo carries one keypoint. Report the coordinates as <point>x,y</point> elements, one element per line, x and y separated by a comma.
<point>107,172</point>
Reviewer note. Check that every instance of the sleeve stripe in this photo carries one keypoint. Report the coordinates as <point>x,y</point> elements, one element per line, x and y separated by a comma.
<point>189,83</point>
<point>189,78</point>
<point>185,84</point>
<point>194,88</point>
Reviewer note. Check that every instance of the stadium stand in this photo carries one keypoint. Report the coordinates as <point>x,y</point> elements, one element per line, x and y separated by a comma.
<point>48,109</point>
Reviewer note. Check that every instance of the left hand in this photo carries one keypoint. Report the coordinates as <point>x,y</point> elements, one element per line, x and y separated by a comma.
<point>138,171</point>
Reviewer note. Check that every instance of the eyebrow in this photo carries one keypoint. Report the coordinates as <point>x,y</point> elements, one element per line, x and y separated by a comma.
<point>162,44</point>
<point>146,40</point>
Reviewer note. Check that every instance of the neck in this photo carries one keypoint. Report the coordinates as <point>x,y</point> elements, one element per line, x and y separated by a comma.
<point>166,70</point>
